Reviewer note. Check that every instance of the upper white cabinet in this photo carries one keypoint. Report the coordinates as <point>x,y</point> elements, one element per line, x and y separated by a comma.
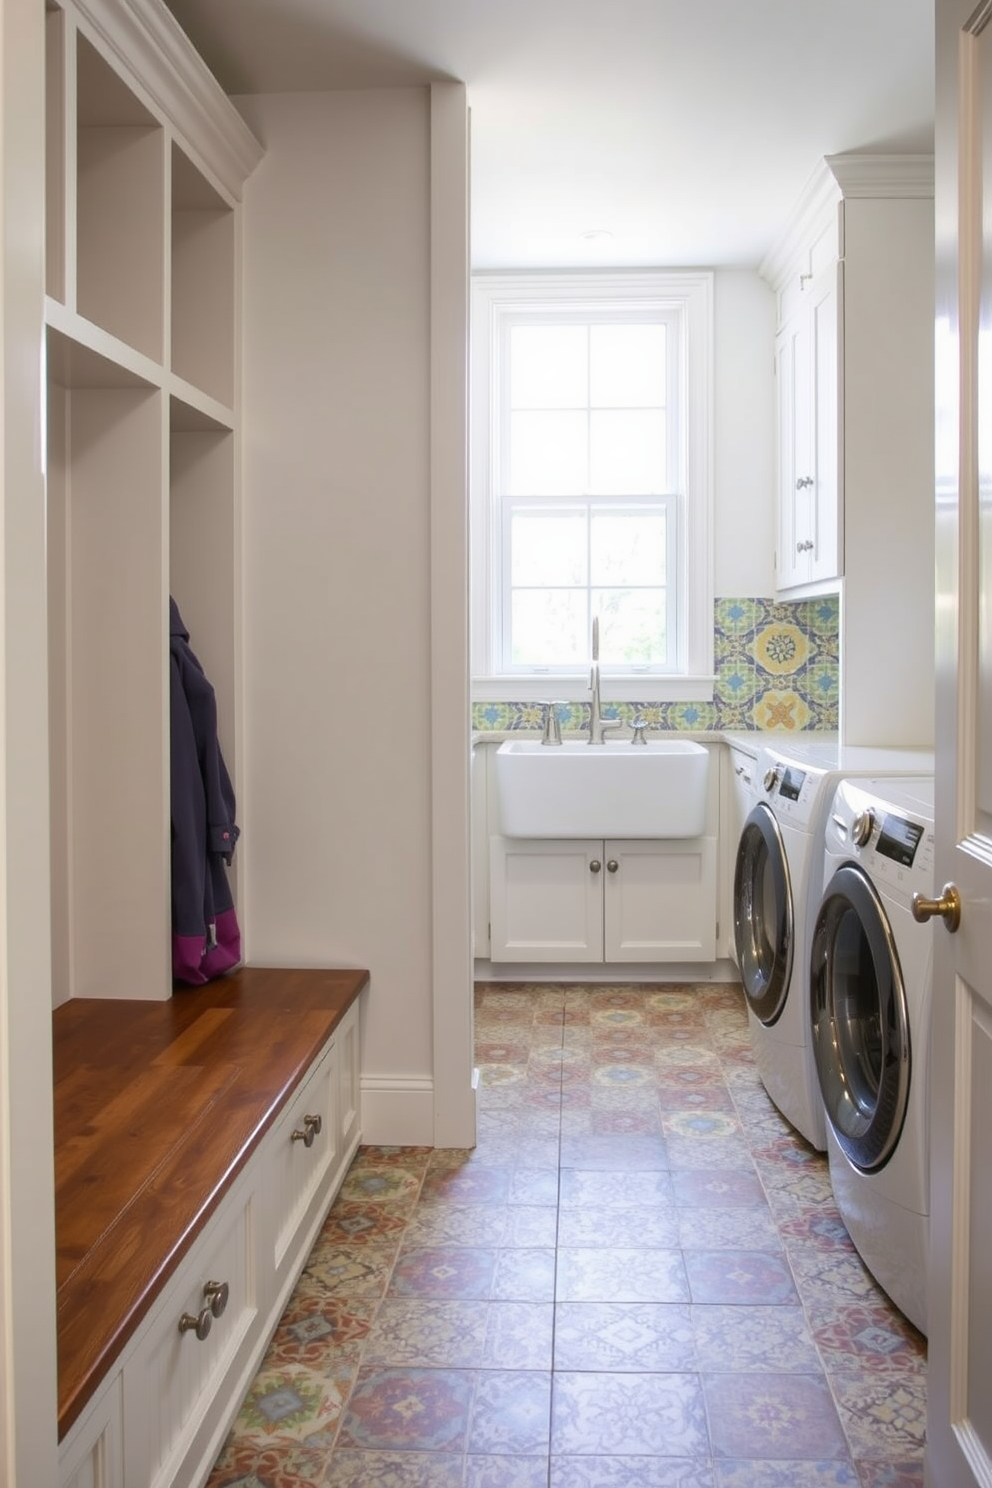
<point>809,508</point>
<point>146,160</point>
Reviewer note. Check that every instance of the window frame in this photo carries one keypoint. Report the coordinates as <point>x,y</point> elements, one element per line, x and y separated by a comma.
<point>686,296</point>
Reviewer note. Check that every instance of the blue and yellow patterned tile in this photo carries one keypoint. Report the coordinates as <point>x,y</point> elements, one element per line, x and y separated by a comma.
<point>491,717</point>
<point>738,617</point>
<point>695,717</point>
<point>738,682</point>
<point>781,710</point>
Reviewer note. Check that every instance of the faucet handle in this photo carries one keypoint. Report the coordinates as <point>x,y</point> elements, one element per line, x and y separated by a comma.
<point>639,728</point>
<point>552,726</point>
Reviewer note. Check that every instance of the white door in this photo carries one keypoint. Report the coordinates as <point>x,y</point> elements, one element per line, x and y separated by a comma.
<point>959,1428</point>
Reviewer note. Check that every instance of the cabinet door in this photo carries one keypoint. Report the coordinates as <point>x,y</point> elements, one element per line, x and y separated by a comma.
<point>795,444</point>
<point>546,900</point>
<point>825,513</point>
<point>92,1454</point>
<point>660,900</point>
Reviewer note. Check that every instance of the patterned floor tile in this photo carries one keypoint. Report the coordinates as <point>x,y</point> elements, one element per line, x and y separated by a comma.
<point>294,1405</point>
<point>614,1275</point>
<point>511,1414</point>
<point>506,1472</point>
<point>468,1184</point>
<point>519,1335</point>
<point>426,1335</point>
<point>631,1472</point>
<point>444,1272</point>
<point>357,1469</point>
<point>836,1473</point>
<point>656,1227</point>
<point>580,1189</point>
<point>734,1227</point>
<point>739,1339</point>
<point>361,1270</point>
<point>642,1336</point>
<point>524,1275</point>
<point>871,1336</point>
<point>746,1277</point>
<point>409,1410</point>
<point>772,1416</point>
<point>655,1415</point>
<point>614,1152</point>
<point>626,1124</point>
<point>884,1418</point>
<point>717,1188</point>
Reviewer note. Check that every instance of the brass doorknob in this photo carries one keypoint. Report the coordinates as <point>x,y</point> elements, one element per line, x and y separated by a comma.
<point>948,906</point>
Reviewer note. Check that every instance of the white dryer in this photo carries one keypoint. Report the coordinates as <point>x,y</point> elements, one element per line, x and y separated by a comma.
<point>871,978</point>
<point>778,878</point>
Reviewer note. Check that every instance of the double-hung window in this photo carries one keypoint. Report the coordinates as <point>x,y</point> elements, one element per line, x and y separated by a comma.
<point>591,482</point>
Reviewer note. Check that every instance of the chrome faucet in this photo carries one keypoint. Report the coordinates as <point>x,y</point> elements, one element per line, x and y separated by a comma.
<point>598,725</point>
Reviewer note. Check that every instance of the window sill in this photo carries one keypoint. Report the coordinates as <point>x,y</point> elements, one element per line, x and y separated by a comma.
<point>614,688</point>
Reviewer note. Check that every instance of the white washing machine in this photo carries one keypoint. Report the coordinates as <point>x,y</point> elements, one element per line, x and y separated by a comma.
<point>777,882</point>
<point>871,978</point>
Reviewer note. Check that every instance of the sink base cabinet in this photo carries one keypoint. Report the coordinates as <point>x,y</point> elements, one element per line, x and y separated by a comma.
<point>603,901</point>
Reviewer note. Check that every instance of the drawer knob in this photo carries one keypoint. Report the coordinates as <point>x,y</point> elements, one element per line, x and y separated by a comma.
<point>306,1133</point>
<point>198,1324</point>
<point>216,1294</point>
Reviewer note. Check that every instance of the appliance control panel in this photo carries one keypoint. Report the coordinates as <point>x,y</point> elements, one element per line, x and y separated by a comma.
<point>894,845</point>
<point>792,791</point>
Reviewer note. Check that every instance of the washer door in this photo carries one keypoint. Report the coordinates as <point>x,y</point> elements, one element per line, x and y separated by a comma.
<point>859,1020</point>
<point>763,915</point>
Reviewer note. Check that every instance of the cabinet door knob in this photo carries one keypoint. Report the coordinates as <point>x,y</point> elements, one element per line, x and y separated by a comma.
<point>595,866</point>
<point>217,1294</point>
<point>612,865</point>
<point>199,1323</point>
<point>803,482</point>
<point>305,1134</point>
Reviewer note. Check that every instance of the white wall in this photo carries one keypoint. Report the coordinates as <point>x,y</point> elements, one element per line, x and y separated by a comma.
<point>337,842</point>
<point>744,422</point>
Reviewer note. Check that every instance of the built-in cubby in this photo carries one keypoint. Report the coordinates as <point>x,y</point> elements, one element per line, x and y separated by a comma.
<point>202,290</point>
<point>120,202</point>
<point>145,163</point>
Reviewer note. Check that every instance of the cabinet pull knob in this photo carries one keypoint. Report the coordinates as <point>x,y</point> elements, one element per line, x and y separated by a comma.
<point>804,547</point>
<point>595,866</point>
<point>217,1294</point>
<point>612,865</point>
<point>199,1323</point>
<point>305,1134</point>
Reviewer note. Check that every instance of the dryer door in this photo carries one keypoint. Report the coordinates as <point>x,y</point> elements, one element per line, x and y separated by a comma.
<point>859,1020</point>
<point>763,915</point>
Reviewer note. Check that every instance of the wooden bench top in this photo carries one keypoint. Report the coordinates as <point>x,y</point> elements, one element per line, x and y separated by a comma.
<point>158,1105</point>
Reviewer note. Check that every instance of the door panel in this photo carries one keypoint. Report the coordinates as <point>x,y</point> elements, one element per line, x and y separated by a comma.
<point>959,1427</point>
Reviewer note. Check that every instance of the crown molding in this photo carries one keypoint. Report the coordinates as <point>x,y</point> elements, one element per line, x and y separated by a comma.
<point>145,43</point>
<point>838,178</point>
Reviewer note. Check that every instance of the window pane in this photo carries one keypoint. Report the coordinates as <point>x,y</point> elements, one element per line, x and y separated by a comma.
<point>627,366</point>
<point>548,454</point>
<point>632,626</point>
<point>628,547</point>
<point>627,453</point>
<point>548,547</point>
<point>548,367</point>
<point>549,627</point>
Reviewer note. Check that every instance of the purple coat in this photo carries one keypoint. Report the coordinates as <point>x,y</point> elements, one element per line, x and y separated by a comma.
<point>206,939</point>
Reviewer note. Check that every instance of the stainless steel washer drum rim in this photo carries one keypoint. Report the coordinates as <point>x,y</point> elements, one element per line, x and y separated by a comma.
<point>859,1020</point>
<point>764,922</point>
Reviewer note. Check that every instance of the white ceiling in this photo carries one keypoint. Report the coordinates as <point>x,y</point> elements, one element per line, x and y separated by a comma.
<point>687,130</point>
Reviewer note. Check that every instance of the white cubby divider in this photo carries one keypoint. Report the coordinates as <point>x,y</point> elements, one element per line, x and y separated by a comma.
<point>146,161</point>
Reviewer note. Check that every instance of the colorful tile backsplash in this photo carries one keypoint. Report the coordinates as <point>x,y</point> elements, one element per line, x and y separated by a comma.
<point>777,667</point>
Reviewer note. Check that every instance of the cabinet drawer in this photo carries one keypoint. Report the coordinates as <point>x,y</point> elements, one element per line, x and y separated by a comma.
<point>302,1161</point>
<point>178,1387</point>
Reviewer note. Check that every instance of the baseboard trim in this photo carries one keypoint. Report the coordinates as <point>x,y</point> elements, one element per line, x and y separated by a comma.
<point>397,1112</point>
